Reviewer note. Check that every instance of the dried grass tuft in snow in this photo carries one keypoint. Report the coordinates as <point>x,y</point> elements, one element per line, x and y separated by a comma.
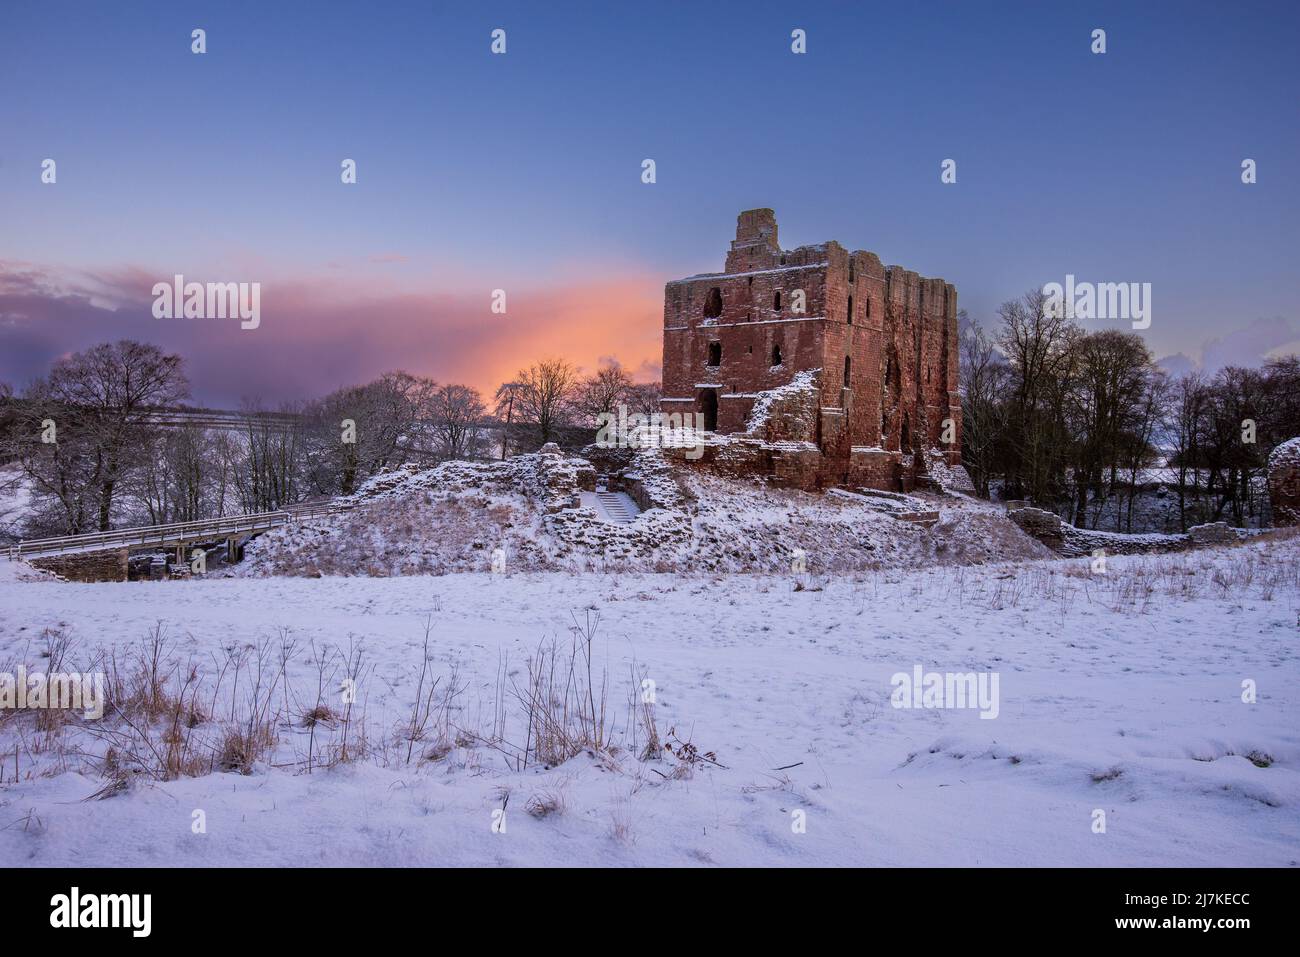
<point>545,803</point>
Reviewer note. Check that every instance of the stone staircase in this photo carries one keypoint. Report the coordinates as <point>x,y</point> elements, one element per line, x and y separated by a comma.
<point>903,508</point>
<point>615,507</point>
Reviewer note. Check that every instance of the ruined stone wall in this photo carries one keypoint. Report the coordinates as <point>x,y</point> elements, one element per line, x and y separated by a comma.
<point>860,281</point>
<point>898,330</point>
<point>791,465</point>
<point>1072,542</point>
<point>107,566</point>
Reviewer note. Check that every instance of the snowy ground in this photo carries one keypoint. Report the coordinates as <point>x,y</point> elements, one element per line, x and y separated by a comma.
<point>1118,692</point>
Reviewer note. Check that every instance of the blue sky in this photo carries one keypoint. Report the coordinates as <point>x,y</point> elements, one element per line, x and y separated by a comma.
<point>523,170</point>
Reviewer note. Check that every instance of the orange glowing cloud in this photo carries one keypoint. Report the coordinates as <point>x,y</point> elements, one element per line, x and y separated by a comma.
<point>612,319</point>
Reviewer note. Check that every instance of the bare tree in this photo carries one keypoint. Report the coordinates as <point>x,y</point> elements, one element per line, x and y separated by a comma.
<point>543,397</point>
<point>95,400</point>
<point>356,432</point>
<point>1110,373</point>
<point>1185,428</point>
<point>182,480</point>
<point>456,418</point>
<point>1223,429</point>
<point>270,475</point>
<point>56,452</point>
<point>8,420</point>
<point>644,397</point>
<point>1148,419</point>
<point>602,392</point>
<point>1237,396</point>
<point>504,409</point>
<point>1035,338</point>
<point>984,383</point>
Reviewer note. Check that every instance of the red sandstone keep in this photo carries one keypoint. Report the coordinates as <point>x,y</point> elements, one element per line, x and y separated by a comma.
<point>867,356</point>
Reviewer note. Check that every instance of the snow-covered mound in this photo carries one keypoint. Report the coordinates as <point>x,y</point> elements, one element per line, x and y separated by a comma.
<point>528,514</point>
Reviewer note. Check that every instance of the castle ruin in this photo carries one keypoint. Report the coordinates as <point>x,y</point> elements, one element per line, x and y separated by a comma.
<point>821,367</point>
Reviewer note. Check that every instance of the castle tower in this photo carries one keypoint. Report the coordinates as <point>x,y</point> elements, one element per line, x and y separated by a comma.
<point>835,362</point>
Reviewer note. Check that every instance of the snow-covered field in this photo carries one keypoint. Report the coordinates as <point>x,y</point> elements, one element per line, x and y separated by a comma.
<point>1118,692</point>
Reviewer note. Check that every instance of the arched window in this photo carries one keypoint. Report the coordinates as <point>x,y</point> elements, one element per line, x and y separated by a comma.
<point>715,353</point>
<point>713,305</point>
<point>776,354</point>
<point>848,372</point>
<point>868,307</point>
<point>850,316</point>
<point>776,301</point>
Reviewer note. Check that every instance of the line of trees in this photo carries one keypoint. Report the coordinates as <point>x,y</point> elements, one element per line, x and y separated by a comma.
<point>86,442</point>
<point>552,402</point>
<point>1074,420</point>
